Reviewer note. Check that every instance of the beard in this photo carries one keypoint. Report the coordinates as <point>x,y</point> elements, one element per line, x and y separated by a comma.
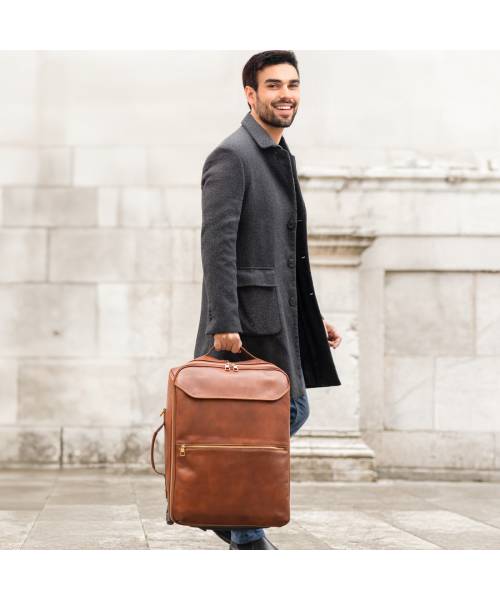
<point>268,116</point>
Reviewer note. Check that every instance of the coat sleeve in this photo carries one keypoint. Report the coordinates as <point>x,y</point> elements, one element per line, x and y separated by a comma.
<point>223,187</point>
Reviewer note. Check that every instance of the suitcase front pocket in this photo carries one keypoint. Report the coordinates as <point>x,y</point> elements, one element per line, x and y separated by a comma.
<point>231,485</point>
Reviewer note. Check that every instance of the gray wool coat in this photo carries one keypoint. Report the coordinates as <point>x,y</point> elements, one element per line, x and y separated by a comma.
<point>256,273</point>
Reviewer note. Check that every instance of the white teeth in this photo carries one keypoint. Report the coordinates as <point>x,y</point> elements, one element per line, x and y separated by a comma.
<point>284,106</point>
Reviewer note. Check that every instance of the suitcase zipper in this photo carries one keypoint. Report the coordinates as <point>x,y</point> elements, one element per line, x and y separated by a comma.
<point>183,447</point>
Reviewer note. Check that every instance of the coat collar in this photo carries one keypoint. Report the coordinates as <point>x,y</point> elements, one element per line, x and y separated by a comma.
<point>260,135</point>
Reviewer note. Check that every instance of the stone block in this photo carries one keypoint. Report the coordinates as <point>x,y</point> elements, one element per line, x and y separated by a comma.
<point>155,259</point>
<point>110,166</point>
<point>100,255</point>
<point>198,265</point>
<point>350,529</point>
<point>47,320</point>
<point>176,165</point>
<point>108,206</point>
<point>467,393</point>
<point>336,289</point>
<point>185,310</point>
<point>50,207</point>
<point>143,207</point>
<point>24,255</point>
<point>331,469</point>
<point>116,98</point>
<point>183,206</point>
<point>183,255</point>
<point>436,449</point>
<point>434,253</point>
<point>337,407</point>
<point>408,392</point>
<point>134,320</point>
<point>429,313</point>
<point>152,380</point>
<point>19,166</point>
<point>478,213</point>
<point>29,445</point>
<point>497,450</point>
<point>488,313</point>
<point>8,395</point>
<point>18,102</point>
<point>371,355</point>
<point>87,393</point>
<point>56,166</point>
<point>327,208</point>
<point>92,255</point>
<point>107,445</point>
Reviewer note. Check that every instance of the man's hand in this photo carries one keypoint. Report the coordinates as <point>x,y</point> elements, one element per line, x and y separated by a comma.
<point>334,337</point>
<point>227,341</point>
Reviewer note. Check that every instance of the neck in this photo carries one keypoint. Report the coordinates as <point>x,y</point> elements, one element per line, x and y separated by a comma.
<point>274,132</point>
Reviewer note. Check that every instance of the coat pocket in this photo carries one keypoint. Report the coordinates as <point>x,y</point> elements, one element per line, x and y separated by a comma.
<point>258,301</point>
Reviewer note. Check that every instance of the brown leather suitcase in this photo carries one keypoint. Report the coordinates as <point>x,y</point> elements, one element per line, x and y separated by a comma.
<point>227,444</point>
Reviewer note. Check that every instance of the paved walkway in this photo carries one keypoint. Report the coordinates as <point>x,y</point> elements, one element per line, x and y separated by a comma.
<point>92,509</point>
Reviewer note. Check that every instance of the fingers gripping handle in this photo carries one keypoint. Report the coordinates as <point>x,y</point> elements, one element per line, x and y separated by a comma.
<point>212,347</point>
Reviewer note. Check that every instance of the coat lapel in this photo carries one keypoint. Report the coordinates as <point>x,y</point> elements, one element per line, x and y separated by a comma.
<point>276,155</point>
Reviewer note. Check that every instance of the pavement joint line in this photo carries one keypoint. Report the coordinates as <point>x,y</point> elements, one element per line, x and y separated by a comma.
<point>35,520</point>
<point>297,523</point>
<point>134,493</point>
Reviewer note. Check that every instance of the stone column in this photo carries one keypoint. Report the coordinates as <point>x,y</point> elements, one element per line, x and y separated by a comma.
<point>329,446</point>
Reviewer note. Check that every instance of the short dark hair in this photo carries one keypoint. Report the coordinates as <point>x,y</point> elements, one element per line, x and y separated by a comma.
<point>257,62</point>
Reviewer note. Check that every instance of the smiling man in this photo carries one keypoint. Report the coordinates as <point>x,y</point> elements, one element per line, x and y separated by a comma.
<point>257,284</point>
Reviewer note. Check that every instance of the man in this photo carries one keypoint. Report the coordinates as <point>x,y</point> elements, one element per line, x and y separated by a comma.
<point>257,286</point>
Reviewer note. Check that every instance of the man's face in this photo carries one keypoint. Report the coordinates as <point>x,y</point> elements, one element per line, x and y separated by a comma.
<point>278,95</point>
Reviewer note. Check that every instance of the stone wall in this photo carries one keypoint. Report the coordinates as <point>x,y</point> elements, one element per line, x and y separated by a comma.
<point>100,165</point>
<point>429,316</point>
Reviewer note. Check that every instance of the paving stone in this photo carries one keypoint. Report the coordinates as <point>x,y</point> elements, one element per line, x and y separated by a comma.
<point>351,530</point>
<point>89,512</point>
<point>14,527</point>
<point>444,528</point>
<point>119,509</point>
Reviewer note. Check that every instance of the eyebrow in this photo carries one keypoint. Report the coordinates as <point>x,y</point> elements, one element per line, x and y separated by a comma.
<point>279,81</point>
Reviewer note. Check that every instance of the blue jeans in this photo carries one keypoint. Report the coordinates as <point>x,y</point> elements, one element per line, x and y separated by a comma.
<point>299,412</point>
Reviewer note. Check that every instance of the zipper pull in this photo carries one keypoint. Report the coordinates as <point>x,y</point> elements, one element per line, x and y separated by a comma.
<point>226,366</point>
<point>183,450</point>
<point>235,367</point>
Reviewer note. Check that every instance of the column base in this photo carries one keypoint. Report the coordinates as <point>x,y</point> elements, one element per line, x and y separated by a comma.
<point>331,456</point>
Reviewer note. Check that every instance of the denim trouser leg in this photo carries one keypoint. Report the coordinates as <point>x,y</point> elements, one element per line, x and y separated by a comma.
<point>299,412</point>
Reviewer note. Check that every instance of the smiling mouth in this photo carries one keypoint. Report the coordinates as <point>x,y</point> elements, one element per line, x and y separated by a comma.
<point>284,108</point>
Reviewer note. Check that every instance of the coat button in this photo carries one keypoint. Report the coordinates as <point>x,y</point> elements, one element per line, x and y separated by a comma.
<point>291,301</point>
<point>291,224</point>
<point>291,262</point>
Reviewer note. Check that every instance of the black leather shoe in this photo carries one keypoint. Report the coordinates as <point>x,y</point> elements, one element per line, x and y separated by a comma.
<point>224,534</point>
<point>262,543</point>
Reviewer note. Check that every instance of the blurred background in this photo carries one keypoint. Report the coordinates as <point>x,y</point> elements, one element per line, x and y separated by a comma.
<point>100,285</point>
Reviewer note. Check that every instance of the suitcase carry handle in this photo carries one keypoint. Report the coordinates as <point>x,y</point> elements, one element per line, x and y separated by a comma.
<point>153,449</point>
<point>213,347</point>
